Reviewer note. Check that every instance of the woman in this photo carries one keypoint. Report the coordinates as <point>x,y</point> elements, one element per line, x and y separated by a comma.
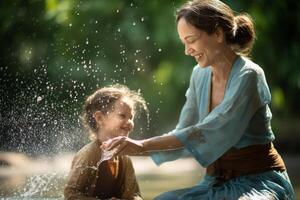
<point>225,122</point>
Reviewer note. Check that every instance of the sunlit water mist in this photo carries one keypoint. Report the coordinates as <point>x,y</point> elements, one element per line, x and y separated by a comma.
<point>39,133</point>
<point>45,84</point>
<point>33,123</point>
<point>40,114</point>
<point>40,185</point>
<point>24,177</point>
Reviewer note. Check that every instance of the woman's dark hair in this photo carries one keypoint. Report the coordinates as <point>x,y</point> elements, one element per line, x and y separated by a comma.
<point>208,15</point>
<point>103,100</point>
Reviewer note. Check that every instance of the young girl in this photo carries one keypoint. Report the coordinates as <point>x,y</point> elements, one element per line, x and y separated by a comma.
<point>108,113</point>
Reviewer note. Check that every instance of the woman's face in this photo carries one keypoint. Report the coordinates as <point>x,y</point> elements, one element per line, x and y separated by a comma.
<point>198,44</point>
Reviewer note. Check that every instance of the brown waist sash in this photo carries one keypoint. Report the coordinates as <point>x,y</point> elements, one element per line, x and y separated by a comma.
<point>248,160</point>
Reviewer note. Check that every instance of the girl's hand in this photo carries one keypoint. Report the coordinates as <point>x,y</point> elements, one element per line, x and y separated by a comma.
<point>124,145</point>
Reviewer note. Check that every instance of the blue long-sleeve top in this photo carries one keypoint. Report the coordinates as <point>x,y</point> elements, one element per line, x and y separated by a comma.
<point>241,119</point>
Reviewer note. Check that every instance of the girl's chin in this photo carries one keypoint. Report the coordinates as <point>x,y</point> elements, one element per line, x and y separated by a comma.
<point>124,133</point>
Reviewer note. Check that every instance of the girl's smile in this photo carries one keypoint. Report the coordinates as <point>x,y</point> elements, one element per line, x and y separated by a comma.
<point>117,122</point>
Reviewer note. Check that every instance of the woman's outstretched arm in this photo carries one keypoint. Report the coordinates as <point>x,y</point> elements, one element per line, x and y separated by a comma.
<point>127,146</point>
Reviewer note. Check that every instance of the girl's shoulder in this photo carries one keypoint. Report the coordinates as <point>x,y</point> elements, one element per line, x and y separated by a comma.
<point>91,147</point>
<point>89,152</point>
<point>125,159</point>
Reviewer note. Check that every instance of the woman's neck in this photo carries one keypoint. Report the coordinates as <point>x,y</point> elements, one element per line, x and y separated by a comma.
<point>223,64</point>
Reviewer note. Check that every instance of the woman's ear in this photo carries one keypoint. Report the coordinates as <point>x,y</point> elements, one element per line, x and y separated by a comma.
<point>219,33</point>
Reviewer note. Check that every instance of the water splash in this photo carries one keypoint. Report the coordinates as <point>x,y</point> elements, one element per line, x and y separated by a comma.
<point>45,107</point>
<point>43,185</point>
<point>105,155</point>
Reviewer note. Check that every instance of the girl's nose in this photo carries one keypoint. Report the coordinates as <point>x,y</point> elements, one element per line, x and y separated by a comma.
<point>130,124</point>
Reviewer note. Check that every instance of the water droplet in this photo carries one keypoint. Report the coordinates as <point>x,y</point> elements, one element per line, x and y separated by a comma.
<point>159,50</point>
<point>39,99</point>
<point>142,19</point>
<point>70,25</point>
<point>133,23</point>
<point>147,38</point>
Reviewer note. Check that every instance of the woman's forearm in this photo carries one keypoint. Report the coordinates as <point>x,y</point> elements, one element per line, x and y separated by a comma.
<point>127,146</point>
<point>161,143</point>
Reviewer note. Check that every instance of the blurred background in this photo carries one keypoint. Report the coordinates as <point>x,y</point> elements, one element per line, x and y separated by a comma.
<point>54,53</point>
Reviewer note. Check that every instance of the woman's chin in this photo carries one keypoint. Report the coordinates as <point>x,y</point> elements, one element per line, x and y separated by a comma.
<point>202,65</point>
<point>202,62</point>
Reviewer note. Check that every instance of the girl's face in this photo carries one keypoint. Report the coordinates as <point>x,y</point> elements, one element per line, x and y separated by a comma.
<point>118,121</point>
<point>198,44</point>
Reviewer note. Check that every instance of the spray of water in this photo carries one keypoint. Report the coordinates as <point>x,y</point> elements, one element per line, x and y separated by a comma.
<point>41,102</point>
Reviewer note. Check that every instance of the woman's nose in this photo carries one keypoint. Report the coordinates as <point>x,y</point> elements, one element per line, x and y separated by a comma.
<point>188,50</point>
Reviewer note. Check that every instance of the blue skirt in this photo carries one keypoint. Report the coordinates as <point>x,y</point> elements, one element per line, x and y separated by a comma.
<point>267,185</point>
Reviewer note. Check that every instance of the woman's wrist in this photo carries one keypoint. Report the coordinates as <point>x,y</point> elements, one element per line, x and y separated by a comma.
<point>145,145</point>
<point>160,143</point>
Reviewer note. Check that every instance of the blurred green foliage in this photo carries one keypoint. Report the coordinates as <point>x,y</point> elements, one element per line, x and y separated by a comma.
<point>59,51</point>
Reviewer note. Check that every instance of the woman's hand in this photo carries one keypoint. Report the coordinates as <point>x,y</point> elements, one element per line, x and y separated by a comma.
<point>124,146</point>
